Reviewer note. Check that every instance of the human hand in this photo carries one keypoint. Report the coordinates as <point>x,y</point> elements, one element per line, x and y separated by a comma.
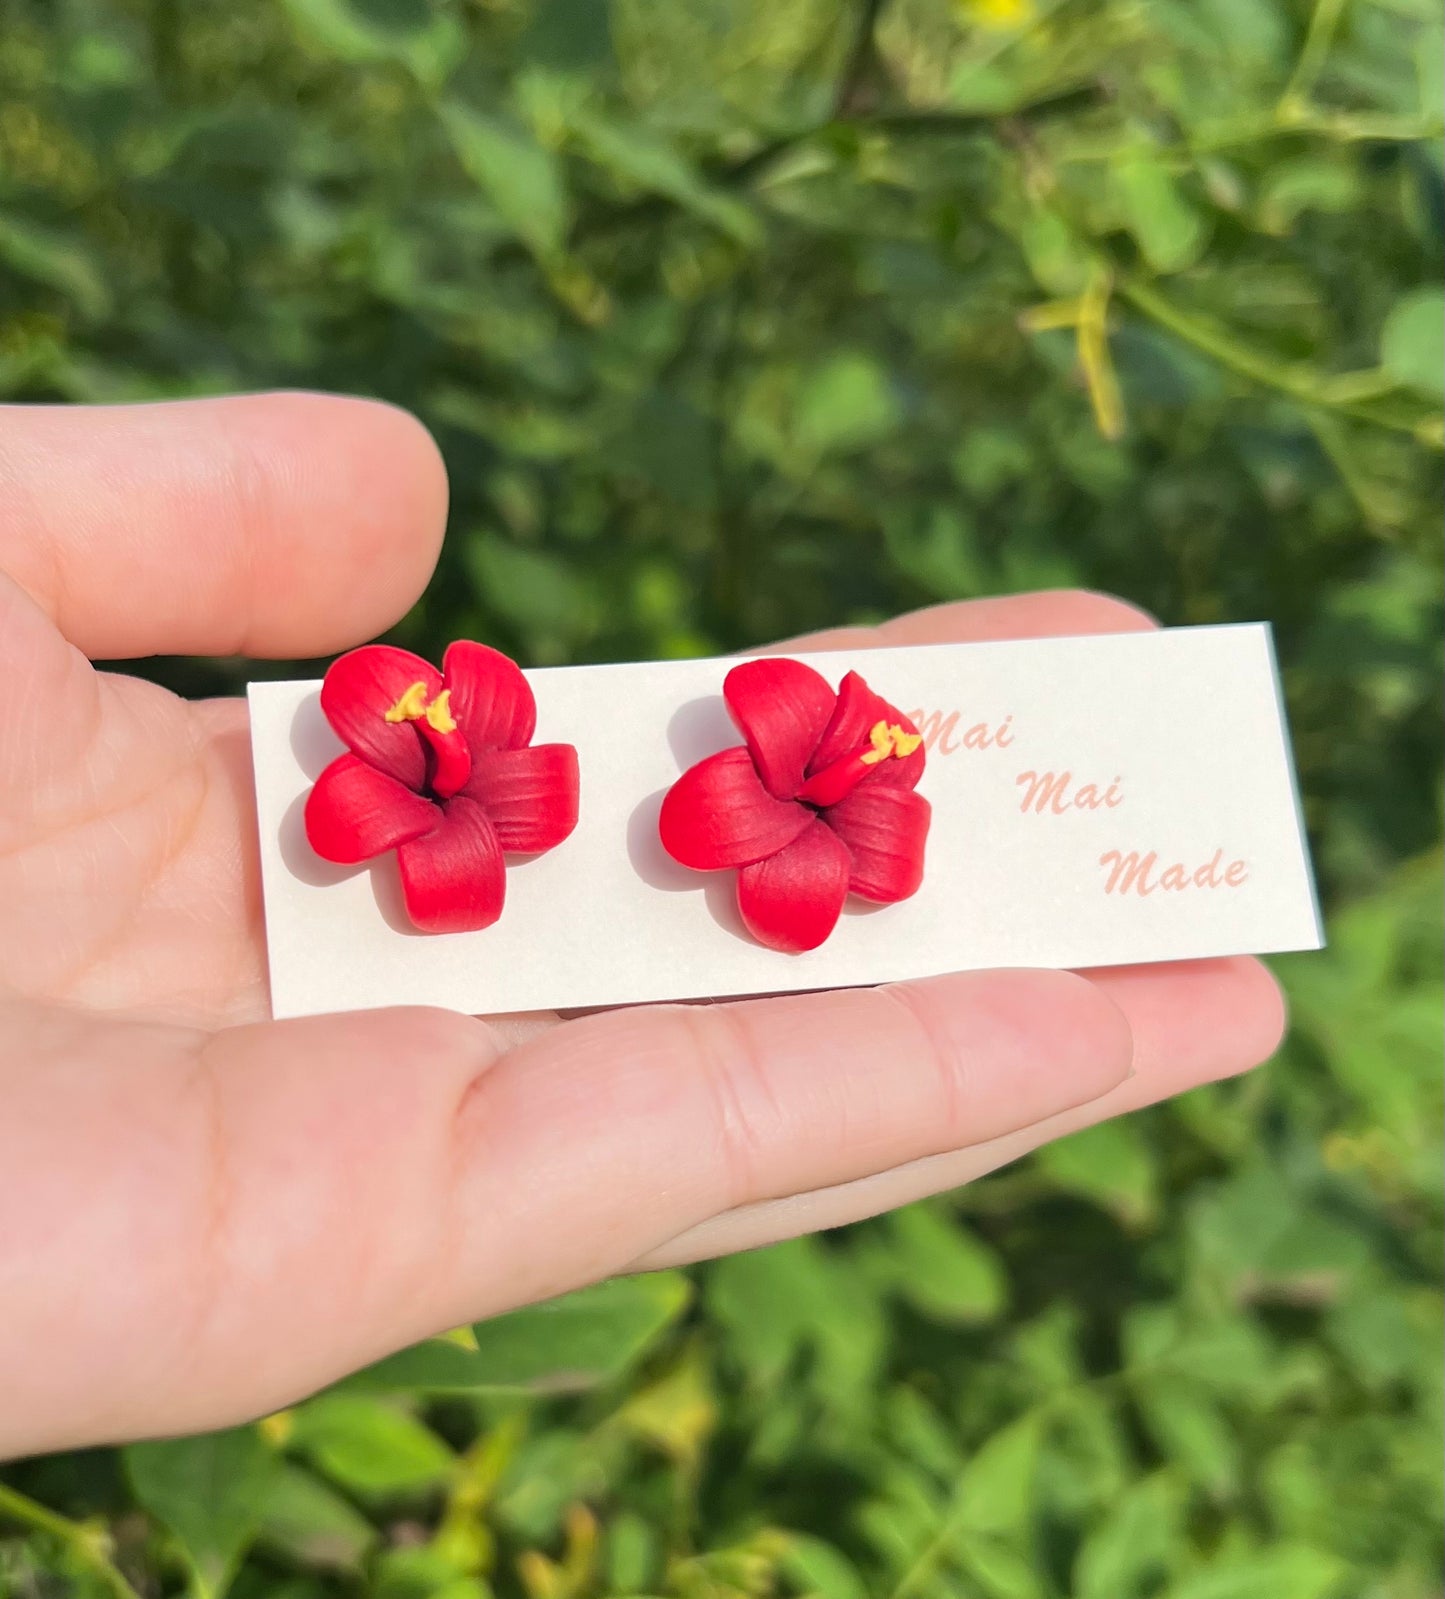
<point>205,1214</point>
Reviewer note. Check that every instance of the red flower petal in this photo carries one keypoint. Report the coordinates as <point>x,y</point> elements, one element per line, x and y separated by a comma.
<point>884,829</point>
<point>355,812</point>
<point>792,900</point>
<point>719,814</point>
<point>529,795</point>
<point>357,692</point>
<point>781,708</point>
<point>858,711</point>
<point>490,698</point>
<point>454,879</point>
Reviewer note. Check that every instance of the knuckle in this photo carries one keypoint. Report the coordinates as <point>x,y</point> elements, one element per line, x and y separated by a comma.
<point>945,1065</point>
<point>734,1074</point>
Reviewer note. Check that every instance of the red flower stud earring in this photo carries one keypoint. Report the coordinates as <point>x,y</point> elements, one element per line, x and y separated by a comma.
<point>820,802</point>
<point>440,768</point>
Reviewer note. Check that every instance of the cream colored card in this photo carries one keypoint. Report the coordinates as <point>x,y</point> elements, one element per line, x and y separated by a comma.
<point>1103,800</point>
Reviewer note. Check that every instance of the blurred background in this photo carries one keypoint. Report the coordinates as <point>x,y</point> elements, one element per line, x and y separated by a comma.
<point>739,317</point>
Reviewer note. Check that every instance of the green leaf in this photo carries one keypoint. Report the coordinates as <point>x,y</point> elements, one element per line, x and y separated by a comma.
<point>846,403</point>
<point>1060,263</point>
<point>1387,1335</point>
<point>995,1489</point>
<point>712,64</point>
<point>1292,1572</point>
<point>1230,1353</point>
<point>1133,1543</point>
<point>430,44</point>
<point>1306,185</point>
<point>990,459</point>
<point>943,1269</point>
<point>210,1491</point>
<point>305,1521</point>
<point>568,35</point>
<point>923,1435</point>
<point>769,1301</point>
<point>370,1446</point>
<point>1110,1163</point>
<point>436,1366</point>
<point>1412,346</point>
<point>47,256</point>
<point>795,1297</point>
<point>1169,230</point>
<point>536,589</point>
<point>531,432</point>
<point>424,1572</point>
<point>522,180</point>
<point>632,1551</point>
<point>937,546</point>
<point>1190,1430</point>
<point>671,444</point>
<point>650,162</point>
<point>676,1412</point>
<point>583,1338</point>
<point>1430,67</point>
<point>336,28</point>
<point>552,1469</point>
<point>820,1569</point>
<point>999,1569</point>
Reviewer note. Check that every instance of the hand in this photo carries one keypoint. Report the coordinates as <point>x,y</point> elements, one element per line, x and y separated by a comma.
<point>204,1214</point>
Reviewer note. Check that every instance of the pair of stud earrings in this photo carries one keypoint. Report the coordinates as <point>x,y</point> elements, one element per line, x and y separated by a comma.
<point>818,802</point>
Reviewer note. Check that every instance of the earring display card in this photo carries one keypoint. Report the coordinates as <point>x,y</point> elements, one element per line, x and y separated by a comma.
<point>1097,801</point>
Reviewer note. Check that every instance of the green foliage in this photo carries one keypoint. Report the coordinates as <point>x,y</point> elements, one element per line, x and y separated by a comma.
<point>736,317</point>
<point>588,1337</point>
<point>1412,346</point>
<point>209,1491</point>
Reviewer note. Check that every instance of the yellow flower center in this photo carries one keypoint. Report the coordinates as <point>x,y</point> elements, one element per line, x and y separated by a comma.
<point>439,713</point>
<point>889,739</point>
<point>413,707</point>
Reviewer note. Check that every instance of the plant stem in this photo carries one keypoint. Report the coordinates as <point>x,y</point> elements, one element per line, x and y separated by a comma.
<point>854,81</point>
<point>1312,389</point>
<point>75,1537</point>
<point>1289,118</point>
<point>1092,337</point>
<point>1318,39</point>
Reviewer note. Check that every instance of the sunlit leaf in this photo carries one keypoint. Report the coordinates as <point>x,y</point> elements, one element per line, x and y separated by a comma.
<point>210,1490</point>
<point>1111,1164</point>
<point>1170,230</point>
<point>1291,1572</point>
<point>844,404</point>
<point>369,1445</point>
<point>995,1489</point>
<point>1135,1542</point>
<point>944,1269</point>
<point>524,181</point>
<point>653,164</point>
<point>1412,346</point>
<point>818,1568</point>
<point>582,1338</point>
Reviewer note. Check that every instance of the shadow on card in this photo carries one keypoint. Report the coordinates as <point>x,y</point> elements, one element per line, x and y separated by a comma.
<point>658,870</point>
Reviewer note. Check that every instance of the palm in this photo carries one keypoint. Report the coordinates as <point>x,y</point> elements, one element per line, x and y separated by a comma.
<point>131,888</point>
<point>238,1210</point>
